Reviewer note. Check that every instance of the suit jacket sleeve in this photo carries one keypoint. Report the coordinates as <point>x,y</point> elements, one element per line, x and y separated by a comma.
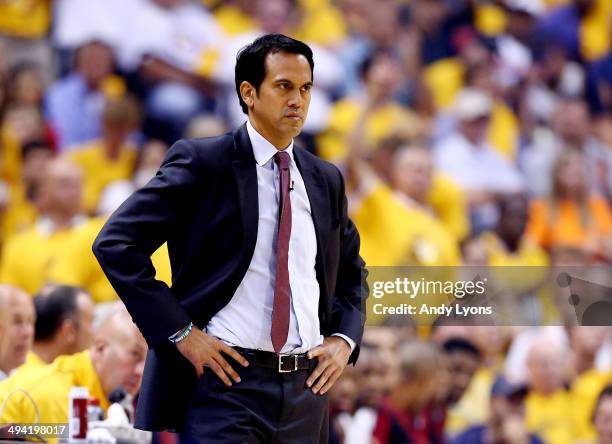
<point>140,225</point>
<point>349,306</point>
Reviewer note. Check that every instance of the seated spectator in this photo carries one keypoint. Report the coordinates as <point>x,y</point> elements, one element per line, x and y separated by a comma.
<point>394,231</point>
<point>408,408</point>
<point>506,425</point>
<point>113,156</point>
<point>64,317</point>
<point>74,104</point>
<point>474,164</point>
<point>463,360</point>
<point>27,256</point>
<point>377,113</point>
<point>572,128</point>
<point>17,317</point>
<point>23,205</point>
<point>77,264</point>
<point>357,424</point>
<point>572,216</point>
<point>115,359</point>
<point>602,416</point>
<point>548,404</point>
<point>423,187</point>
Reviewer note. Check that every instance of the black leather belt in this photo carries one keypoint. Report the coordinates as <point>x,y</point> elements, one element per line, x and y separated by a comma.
<point>280,363</point>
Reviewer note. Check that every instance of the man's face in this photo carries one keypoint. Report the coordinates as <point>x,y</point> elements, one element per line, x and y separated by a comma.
<point>278,110</point>
<point>122,363</point>
<point>63,188</point>
<point>603,420</point>
<point>461,368</point>
<point>95,63</point>
<point>412,172</point>
<point>17,331</point>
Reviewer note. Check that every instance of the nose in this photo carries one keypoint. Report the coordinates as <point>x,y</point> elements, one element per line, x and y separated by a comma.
<point>295,99</point>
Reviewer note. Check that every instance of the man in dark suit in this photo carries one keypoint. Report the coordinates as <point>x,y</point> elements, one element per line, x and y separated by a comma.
<point>267,303</point>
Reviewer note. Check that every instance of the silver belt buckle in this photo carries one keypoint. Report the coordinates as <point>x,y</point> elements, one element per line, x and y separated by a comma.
<point>280,363</point>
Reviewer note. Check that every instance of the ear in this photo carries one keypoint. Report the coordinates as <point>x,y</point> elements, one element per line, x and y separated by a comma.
<point>68,332</point>
<point>247,92</point>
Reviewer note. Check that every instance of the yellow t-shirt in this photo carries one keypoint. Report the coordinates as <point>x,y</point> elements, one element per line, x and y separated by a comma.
<point>450,205</point>
<point>27,257</point>
<point>584,392</point>
<point>20,214</point>
<point>78,266</point>
<point>322,23</point>
<point>550,416</point>
<point>49,387</point>
<point>25,18</point>
<point>32,361</point>
<point>387,120</point>
<point>594,32</point>
<point>99,171</point>
<point>233,21</point>
<point>394,234</point>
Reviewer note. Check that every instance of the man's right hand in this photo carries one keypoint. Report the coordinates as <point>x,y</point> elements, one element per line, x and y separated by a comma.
<point>203,350</point>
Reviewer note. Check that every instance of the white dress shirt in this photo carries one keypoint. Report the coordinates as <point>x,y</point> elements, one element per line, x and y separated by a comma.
<point>247,319</point>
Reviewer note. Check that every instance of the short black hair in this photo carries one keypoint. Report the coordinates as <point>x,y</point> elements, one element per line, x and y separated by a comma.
<point>53,308</point>
<point>251,60</point>
<point>453,345</point>
<point>34,145</point>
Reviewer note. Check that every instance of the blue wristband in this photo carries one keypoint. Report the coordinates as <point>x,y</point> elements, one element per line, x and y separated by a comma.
<point>178,337</point>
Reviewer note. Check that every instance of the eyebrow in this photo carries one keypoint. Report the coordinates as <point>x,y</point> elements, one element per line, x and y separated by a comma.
<point>309,83</point>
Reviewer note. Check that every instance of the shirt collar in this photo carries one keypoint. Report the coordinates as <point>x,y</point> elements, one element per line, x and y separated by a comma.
<point>262,149</point>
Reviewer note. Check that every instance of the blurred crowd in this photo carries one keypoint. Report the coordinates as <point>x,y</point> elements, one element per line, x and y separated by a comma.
<point>469,132</point>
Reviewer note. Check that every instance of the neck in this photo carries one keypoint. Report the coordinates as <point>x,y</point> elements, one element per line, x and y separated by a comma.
<point>112,147</point>
<point>47,351</point>
<point>60,219</point>
<point>584,362</point>
<point>279,142</point>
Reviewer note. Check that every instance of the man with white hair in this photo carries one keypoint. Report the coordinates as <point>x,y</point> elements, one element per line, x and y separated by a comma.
<point>114,360</point>
<point>16,328</point>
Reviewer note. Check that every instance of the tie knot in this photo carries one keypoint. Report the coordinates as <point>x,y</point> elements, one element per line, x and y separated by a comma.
<point>283,159</point>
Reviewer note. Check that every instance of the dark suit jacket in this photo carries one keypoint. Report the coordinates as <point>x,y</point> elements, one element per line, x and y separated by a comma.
<point>203,202</point>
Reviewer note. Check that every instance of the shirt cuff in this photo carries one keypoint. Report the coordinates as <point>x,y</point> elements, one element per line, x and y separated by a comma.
<point>347,339</point>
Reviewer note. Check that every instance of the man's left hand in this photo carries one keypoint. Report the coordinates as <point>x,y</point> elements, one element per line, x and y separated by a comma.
<point>333,357</point>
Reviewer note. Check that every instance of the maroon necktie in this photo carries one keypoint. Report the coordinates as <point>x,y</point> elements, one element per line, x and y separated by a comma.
<point>280,309</point>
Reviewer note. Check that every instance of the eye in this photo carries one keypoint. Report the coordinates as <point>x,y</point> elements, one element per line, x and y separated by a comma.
<point>306,88</point>
<point>284,85</point>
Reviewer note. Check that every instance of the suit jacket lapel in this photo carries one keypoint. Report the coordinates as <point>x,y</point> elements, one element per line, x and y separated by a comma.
<point>246,179</point>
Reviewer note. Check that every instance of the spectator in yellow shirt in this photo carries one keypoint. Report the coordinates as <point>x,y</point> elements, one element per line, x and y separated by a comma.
<point>77,264</point>
<point>22,210</point>
<point>549,404</point>
<point>64,322</point>
<point>26,257</point>
<point>116,359</point>
<point>16,328</point>
<point>112,157</point>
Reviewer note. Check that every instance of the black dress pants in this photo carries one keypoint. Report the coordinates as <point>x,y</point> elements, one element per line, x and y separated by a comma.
<point>265,407</point>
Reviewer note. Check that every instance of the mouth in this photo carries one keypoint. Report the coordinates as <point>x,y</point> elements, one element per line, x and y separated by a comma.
<point>293,116</point>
